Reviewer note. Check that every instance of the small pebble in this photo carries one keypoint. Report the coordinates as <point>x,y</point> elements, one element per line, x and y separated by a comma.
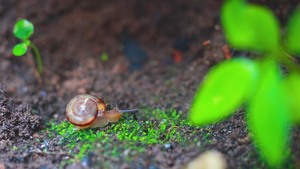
<point>167,146</point>
<point>43,94</point>
<point>208,160</point>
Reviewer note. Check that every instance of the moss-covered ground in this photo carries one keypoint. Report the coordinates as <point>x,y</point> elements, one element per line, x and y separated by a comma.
<point>129,136</point>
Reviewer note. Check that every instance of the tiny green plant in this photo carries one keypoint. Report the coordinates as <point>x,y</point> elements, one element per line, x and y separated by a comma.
<point>104,56</point>
<point>270,94</point>
<point>23,30</point>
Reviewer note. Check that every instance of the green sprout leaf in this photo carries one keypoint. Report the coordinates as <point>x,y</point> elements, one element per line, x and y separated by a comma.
<point>223,90</point>
<point>23,29</point>
<point>293,33</point>
<point>292,83</point>
<point>21,48</point>
<point>268,115</point>
<point>250,27</point>
<point>104,56</point>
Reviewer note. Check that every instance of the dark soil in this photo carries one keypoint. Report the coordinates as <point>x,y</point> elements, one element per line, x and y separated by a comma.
<point>71,36</point>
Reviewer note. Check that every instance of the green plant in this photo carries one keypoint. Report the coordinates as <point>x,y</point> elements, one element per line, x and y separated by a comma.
<point>270,93</point>
<point>23,30</point>
<point>104,56</point>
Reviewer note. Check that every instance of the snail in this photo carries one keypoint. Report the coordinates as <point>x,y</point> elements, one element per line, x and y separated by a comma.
<point>90,111</point>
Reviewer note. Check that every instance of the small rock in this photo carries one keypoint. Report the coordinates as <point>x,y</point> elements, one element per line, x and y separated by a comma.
<point>208,160</point>
<point>126,152</point>
<point>167,146</point>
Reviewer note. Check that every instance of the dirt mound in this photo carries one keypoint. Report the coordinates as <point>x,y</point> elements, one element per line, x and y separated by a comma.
<point>16,120</point>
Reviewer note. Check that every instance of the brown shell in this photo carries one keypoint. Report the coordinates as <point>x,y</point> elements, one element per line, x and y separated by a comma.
<point>83,109</point>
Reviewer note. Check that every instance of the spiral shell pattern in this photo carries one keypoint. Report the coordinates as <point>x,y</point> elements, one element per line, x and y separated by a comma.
<point>83,109</point>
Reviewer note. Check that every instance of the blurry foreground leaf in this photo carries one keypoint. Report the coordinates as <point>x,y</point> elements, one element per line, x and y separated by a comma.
<point>236,28</point>
<point>250,27</point>
<point>268,115</point>
<point>293,33</point>
<point>292,83</point>
<point>224,89</point>
<point>23,29</point>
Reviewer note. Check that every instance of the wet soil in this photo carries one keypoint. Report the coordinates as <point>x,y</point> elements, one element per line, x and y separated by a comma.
<point>72,35</point>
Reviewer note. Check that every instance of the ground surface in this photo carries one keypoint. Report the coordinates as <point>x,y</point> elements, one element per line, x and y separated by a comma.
<point>71,36</point>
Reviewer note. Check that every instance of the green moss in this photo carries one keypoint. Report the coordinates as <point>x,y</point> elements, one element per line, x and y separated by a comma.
<point>156,127</point>
<point>162,127</point>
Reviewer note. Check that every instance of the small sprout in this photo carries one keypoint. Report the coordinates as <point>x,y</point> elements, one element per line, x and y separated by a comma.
<point>104,56</point>
<point>23,30</point>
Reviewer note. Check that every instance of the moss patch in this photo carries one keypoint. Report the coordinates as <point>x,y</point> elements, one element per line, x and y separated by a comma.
<point>161,128</point>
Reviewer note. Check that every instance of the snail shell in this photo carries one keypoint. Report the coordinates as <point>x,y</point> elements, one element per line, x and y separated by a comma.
<point>84,109</point>
<point>89,111</point>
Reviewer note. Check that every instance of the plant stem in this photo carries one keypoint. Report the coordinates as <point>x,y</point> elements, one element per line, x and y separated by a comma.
<point>38,58</point>
<point>288,61</point>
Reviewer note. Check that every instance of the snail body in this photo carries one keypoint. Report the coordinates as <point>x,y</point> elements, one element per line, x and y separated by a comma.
<point>87,111</point>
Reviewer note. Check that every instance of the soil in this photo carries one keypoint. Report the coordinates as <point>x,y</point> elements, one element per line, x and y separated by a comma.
<point>72,35</point>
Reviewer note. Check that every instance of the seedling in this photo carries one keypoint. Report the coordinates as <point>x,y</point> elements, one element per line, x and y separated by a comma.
<point>104,56</point>
<point>270,95</point>
<point>23,30</point>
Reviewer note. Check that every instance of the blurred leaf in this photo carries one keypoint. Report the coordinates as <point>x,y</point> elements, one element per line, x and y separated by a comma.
<point>266,27</point>
<point>250,27</point>
<point>268,115</point>
<point>236,29</point>
<point>292,83</point>
<point>293,33</point>
<point>20,49</point>
<point>23,29</point>
<point>223,90</point>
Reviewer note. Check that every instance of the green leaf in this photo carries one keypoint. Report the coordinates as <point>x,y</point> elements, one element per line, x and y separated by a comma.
<point>293,33</point>
<point>236,29</point>
<point>250,27</point>
<point>292,83</point>
<point>223,90</point>
<point>268,115</point>
<point>23,29</point>
<point>21,48</point>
